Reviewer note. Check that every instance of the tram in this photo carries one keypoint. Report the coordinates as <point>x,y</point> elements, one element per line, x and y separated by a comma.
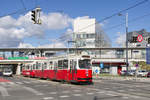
<point>70,68</point>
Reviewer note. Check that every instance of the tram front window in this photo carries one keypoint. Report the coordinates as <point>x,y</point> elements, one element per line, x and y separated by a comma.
<point>84,64</point>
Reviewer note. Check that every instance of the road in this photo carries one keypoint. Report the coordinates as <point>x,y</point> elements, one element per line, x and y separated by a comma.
<point>23,88</point>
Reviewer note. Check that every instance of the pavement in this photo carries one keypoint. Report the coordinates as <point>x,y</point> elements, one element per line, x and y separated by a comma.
<point>24,88</point>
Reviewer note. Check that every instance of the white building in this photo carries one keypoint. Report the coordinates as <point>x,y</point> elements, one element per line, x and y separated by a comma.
<point>88,33</point>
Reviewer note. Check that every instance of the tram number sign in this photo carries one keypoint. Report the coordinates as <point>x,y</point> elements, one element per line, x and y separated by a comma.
<point>140,38</point>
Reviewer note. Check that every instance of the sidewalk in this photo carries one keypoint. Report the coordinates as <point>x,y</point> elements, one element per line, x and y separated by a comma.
<point>122,78</point>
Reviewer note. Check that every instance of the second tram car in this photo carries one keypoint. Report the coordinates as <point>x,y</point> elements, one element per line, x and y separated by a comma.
<point>71,68</point>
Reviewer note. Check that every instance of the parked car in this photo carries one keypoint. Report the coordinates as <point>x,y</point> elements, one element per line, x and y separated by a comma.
<point>128,73</point>
<point>148,74</point>
<point>142,73</point>
<point>7,73</point>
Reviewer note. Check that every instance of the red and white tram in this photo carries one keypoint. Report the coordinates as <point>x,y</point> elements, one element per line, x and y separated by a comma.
<point>64,68</point>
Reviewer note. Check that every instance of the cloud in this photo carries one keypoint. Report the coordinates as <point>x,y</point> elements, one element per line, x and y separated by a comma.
<point>25,45</point>
<point>121,38</point>
<point>13,31</point>
<point>53,45</point>
<point>67,36</point>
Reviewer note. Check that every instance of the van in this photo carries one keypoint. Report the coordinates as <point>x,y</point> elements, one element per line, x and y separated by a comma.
<point>7,73</point>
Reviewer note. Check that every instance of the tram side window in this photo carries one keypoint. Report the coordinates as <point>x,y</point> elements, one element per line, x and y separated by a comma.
<point>51,65</point>
<point>33,66</point>
<point>60,64</point>
<point>39,66</point>
<point>45,65</point>
<point>65,64</point>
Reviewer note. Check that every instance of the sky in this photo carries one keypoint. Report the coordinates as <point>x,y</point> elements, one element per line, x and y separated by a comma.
<point>17,29</point>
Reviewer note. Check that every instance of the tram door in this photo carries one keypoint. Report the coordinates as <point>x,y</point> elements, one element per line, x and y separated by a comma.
<point>55,69</point>
<point>73,69</point>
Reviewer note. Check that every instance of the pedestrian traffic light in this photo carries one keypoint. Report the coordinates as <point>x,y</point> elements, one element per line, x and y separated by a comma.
<point>149,40</point>
<point>33,15</point>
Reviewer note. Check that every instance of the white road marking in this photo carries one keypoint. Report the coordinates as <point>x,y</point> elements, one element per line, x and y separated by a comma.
<point>110,94</point>
<point>89,93</point>
<point>64,96</point>
<point>76,90</point>
<point>26,82</point>
<point>33,91</point>
<point>18,82</point>
<point>53,93</point>
<point>12,83</point>
<point>65,91</point>
<point>125,97</point>
<point>4,91</point>
<point>77,95</point>
<point>48,98</point>
<point>121,90</point>
<point>100,92</point>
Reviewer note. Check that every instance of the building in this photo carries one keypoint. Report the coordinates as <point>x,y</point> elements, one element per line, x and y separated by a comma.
<point>88,33</point>
<point>133,41</point>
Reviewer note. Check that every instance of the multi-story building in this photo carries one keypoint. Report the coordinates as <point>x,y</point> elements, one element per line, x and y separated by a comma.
<point>89,34</point>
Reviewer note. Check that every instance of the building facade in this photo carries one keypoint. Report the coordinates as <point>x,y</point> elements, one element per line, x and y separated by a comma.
<point>89,34</point>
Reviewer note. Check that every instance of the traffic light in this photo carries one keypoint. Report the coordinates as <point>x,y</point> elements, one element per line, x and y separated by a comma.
<point>148,40</point>
<point>134,39</point>
<point>34,16</point>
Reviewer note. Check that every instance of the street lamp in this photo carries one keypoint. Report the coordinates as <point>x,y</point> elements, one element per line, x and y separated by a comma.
<point>126,22</point>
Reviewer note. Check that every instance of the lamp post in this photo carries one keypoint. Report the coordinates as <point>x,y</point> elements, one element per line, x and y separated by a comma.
<point>126,23</point>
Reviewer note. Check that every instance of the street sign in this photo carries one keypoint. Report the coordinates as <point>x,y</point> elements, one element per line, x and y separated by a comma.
<point>140,38</point>
<point>137,65</point>
<point>96,71</point>
<point>148,55</point>
<point>101,65</point>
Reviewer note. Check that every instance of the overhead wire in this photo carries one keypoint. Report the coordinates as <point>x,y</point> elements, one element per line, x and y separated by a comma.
<point>106,18</point>
<point>130,21</point>
<point>23,4</point>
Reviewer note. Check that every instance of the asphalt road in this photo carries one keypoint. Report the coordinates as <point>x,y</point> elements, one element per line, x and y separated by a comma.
<point>23,88</point>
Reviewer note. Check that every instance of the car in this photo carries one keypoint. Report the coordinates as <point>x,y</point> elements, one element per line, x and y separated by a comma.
<point>142,73</point>
<point>7,73</point>
<point>123,72</point>
<point>128,73</point>
<point>148,74</point>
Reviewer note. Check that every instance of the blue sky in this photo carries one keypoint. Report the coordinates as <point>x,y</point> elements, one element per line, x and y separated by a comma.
<point>98,9</point>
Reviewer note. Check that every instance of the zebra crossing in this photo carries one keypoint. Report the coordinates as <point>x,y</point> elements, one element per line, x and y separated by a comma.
<point>47,91</point>
<point>44,96</point>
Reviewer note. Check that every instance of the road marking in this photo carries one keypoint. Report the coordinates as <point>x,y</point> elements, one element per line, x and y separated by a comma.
<point>33,90</point>
<point>18,82</point>
<point>125,97</point>
<point>110,94</point>
<point>89,93</point>
<point>77,95</point>
<point>4,91</point>
<point>12,83</point>
<point>77,90</point>
<point>100,92</point>
<point>121,90</point>
<point>65,91</point>
<point>64,96</point>
<point>53,93</point>
<point>26,82</point>
<point>48,98</point>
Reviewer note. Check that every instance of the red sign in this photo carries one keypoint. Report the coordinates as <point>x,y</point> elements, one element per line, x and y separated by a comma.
<point>140,38</point>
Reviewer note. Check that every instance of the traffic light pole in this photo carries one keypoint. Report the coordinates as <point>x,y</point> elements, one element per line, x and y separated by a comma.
<point>127,64</point>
